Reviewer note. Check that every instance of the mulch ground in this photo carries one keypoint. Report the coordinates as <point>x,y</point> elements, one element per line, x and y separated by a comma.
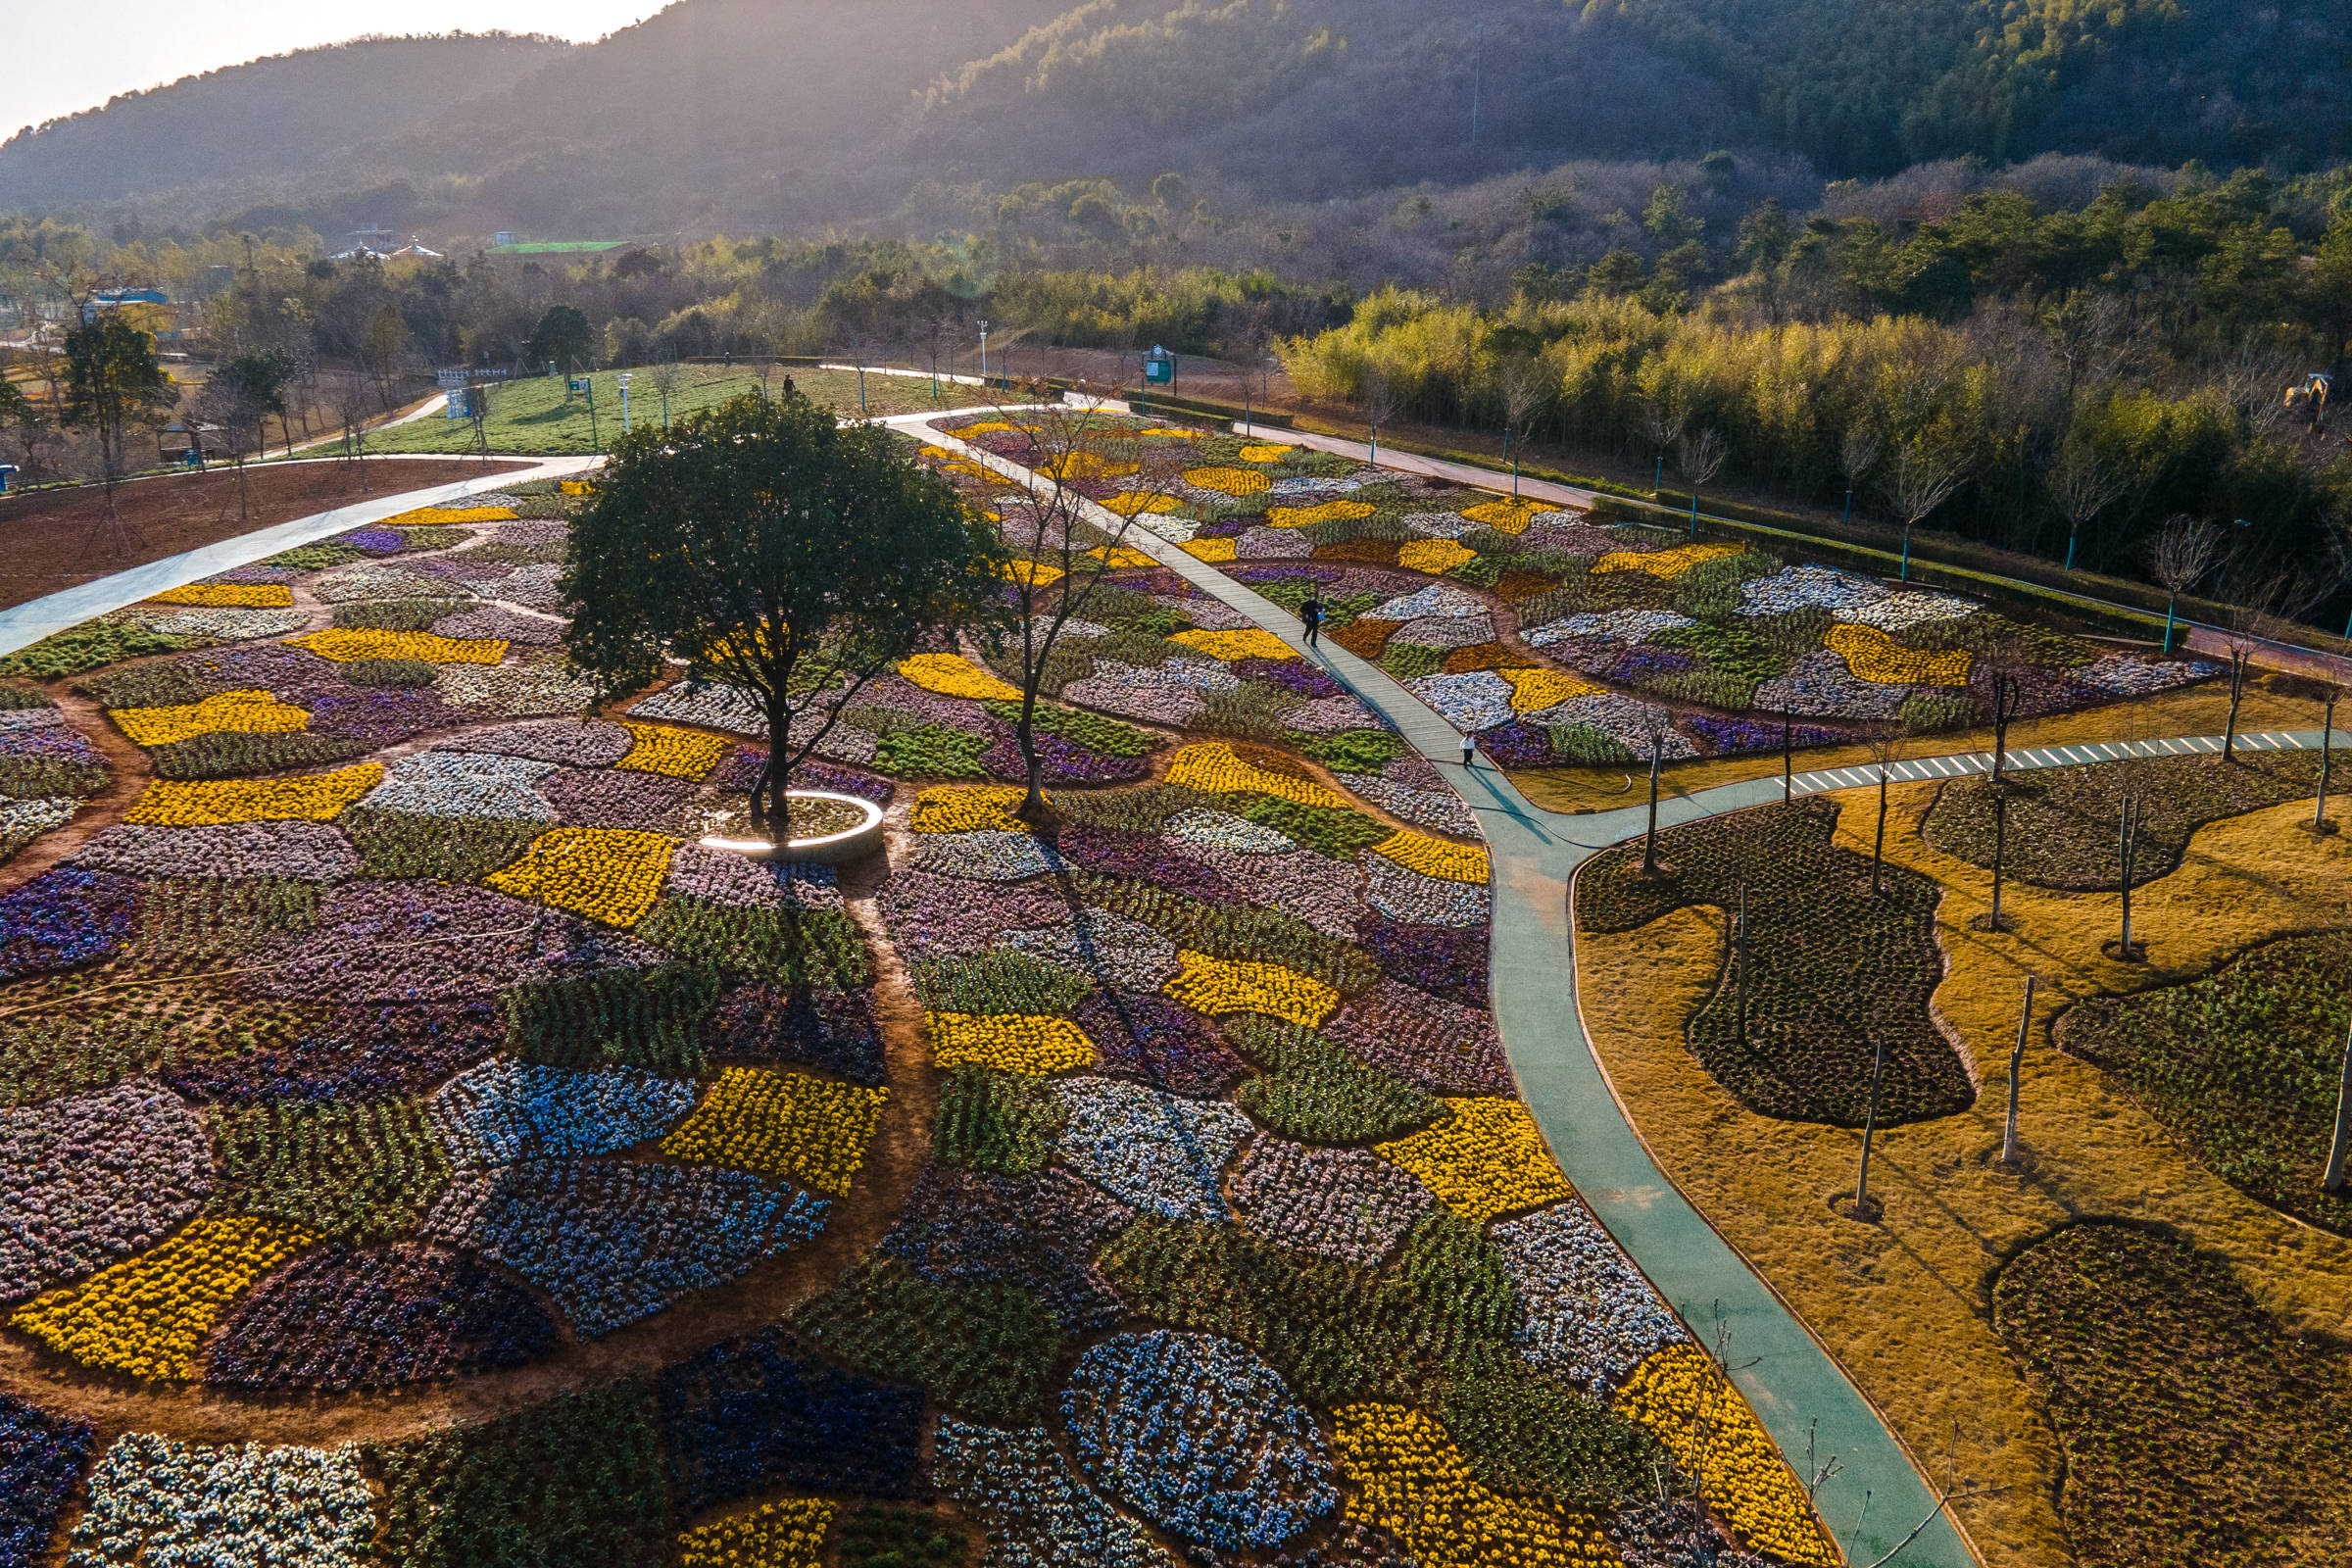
<point>55,539</point>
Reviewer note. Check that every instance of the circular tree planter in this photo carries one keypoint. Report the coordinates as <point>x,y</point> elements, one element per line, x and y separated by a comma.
<point>830,848</point>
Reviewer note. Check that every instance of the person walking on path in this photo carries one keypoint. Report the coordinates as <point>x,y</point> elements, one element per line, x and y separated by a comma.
<point>1311,612</point>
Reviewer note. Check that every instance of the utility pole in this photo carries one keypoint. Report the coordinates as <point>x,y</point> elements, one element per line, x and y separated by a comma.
<point>2017,1058</point>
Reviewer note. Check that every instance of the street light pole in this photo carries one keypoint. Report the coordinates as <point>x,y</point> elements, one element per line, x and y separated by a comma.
<point>624,403</point>
<point>983,355</point>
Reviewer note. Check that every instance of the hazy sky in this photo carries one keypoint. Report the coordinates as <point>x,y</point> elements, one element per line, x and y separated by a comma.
<point>64,55</point>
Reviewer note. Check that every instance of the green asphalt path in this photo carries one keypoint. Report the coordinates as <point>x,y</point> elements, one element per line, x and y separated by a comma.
<point>1791,1382</point>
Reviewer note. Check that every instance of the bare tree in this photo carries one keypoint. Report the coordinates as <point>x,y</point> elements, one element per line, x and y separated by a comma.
<point>1925,473</point>
<point>353,402</point>
<point>238,406</point>
<point>1656,724</point>
<point>2182,552</point>
<point>1700,457</point>
<point>1866,1208</point>
<point>2319,815</point>
<point>2262,610</point>
<point>2017,1062</point>
<point>668,378</point>
<point>2131,821</point>
<point>1064,544</point>
<point>1527,386</point>
<point>1379,400</point>
<point>2083,484</point>
<point>2339,1151</point>
<point>1886,742</point>
<point>1857,458</point>
<point>1663,419</point>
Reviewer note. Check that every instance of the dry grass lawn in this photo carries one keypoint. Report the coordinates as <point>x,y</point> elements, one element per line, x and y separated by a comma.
<point>1903,1304</point>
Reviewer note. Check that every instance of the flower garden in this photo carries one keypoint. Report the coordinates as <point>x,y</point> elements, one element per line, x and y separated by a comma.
<point>1559,639</point>
<point>399,1038</point>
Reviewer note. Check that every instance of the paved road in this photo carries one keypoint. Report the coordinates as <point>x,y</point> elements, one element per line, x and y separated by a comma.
<point>1792,1383</point>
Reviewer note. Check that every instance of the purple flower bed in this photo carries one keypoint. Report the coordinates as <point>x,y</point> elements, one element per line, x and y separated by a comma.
<point>830,1030</point>
<point>1443,960</point>
<point>345,1317</point>
<point>1730,736</point>
<point>1257,575</point>
<point>42,1457</point>
<point>1142,856</point>
<point>903,696</point>
<point>613,1243</point>
<point>378,718</point>
<point>256,574</point>
<point>311,850</point>
<point>1347,1204</point>
<point>761,1414</point>
<point>1439,1047</point>
<point>86,1180</point>
<point>359,1052</point>
<point>1290,675</point>
<point>1225,528</point>
<point>497,621</point>
<point>1517,745</point>
<point>602,797</point>
<point>1036,1232</point>
<point>1152,1039</point>
<point>1065,761</point>
<point>739,770</point>
<point>932,916</point>
<point>393,941</point>
<point>63,919</point>
<point>59,740</point>
<point>598,743</point>
<point>375,540</point>
<point>1647,663</point>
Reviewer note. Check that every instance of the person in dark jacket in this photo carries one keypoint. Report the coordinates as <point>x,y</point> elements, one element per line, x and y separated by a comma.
<point>1311,612</point>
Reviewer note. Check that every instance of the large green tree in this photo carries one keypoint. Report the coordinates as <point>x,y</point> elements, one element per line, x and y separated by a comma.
<point>774,551</point>
<point>563,335</point>
<point>111,382</point>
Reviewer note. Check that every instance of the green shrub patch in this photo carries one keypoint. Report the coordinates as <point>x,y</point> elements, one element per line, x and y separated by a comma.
<point>1832,968</point>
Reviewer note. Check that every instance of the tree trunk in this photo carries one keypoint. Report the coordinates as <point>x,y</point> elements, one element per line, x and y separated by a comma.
<point>1649,843</point>
<point>1032,804</point>
<point>1870,1128</point>
<point>2319,820</point>
<point>2125,852</point>
<point>2238,665</point>
<point>2017,1058</point>
<point>2000,851</point>
<point>1877,848</point>
<point>2341,1148</point>
<point>1787,760</point>
<point>1739,958</point>
<point>2167,622</point>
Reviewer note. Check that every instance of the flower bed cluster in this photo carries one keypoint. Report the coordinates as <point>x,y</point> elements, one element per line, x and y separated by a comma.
<point>247,1505</point>
<point>47,767</point>
<point>1832,968</point>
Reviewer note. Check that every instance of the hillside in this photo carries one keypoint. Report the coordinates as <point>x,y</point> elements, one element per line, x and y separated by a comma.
<point>760,114</point>
<point>278,119</point>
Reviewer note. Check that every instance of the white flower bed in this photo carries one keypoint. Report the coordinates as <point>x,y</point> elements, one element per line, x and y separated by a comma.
<point>1416,900</point>
<point>1800,586</point>
<point>1037,1512</point>
<point>1478,700</point>
<point>719,876</point>
<point>159,1502</point>
<point>717,705</point>
<point>1820,685</point>
<point>2126,676</point>
<point>1902,612</point>
<point>1201,674</point>
<point>1328,715</point>
<point>533,587</point>
<point>1169,525</point>
<point>1327,894</point>
<point>566,742</point>
<point>519,691</point>
<point>1439,598</point>
<point>1222,830</point>
<point>1110,950</point>
<point>1438,525</point>
<point>91,1178</point>
<point>1152,1152</point>
<point>23,821</point>
<point>987,855</point>
<point>311,850</point>
<point>457,784</point>
<point>1618,625</point>
<point>1209,615</point>
<point>1591,1315</point>
<point>370,580</point>
<point>1459,631</point>
<point>1623,718</point>
<point>220,625</point>
<point>1134,692</point>
<point>1439,810</point>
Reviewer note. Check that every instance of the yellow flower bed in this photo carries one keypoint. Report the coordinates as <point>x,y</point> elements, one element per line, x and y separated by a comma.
<point>677,752</point>
<point>809,1130</point>
<point>1223,985</point>
<point>1437,857</point>
<point>787,1534</point>
<point>1692,1409</point>
<point>1486,1159</point>
<point>1251,642</point>
<point>1664,563</point>
<point>149,1316</point>
<point>1503,514</point>
<point>1266,452</point>
<point>248,712</point>
<point>1086,465</point>
<point>1228,481</point>
<point>228,596</point>
<point>1116,555</point>
<point>1213,766</point>
<point>1036,573</point>
<point>447,517</point>
<point>345,643</point>
<point>1009,1043</point>
<point>1174,433</point>
<point>1322,512</point>
<point>987,427</point>
<point>1405,1476</point>
<point>1216,552</point>
<point>1534,688</point>
<point>1131,502</point>
<point>1873,655</point>
<point>576,487</point>
<point>1434,556</point>
<point>967,809</point>
<point>217,803</point>
<point>954,675</point>
<point>611,874</point>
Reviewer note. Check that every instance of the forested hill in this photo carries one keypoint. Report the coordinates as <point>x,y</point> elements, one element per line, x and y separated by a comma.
<point>736,114</point>
<point>1867,86</point>
<point>282,117</point>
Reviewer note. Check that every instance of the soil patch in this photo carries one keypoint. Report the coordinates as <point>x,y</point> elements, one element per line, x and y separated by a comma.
<point>56,539</point>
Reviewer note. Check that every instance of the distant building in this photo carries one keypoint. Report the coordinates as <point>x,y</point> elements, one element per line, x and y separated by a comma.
<point>150,309</point>
<point>383,245</point>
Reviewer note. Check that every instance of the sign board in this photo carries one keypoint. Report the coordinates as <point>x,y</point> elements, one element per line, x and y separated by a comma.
<point>471,377</point>
<point>578,387</point>
<point>1159,368</point>
<point>7,474</point>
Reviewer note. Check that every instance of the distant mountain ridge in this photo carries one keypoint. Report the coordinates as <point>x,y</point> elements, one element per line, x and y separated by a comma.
<point>757,114</point>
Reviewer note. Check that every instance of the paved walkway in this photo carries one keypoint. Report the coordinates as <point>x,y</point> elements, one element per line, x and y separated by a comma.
<point>1793,1384</point>
<point>28,623</point>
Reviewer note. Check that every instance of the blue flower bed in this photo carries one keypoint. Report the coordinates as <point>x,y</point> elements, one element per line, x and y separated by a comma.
<point>760,1415</point>
<point>42,1458</point>
<point>63,919</point>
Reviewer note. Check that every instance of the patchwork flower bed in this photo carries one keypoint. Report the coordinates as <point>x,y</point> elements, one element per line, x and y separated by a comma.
<point>47,767</point>
<point>453,1051</point>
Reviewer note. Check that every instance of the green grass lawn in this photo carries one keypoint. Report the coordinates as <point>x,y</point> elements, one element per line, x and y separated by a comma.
<point>534,417</point>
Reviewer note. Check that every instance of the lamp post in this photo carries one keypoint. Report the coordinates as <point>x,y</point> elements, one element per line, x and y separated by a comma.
<point>624,402</point>
<point>983,355</point>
